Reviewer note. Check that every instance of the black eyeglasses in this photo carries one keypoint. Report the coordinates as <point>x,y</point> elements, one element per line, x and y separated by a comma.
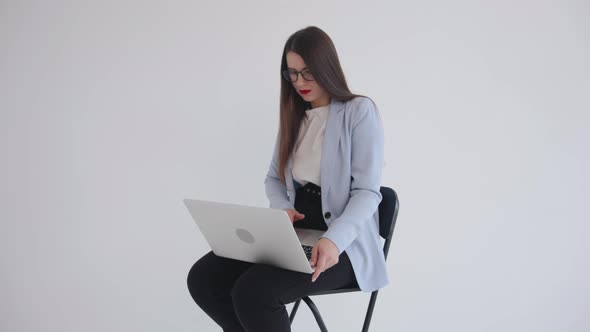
<point>293,75</point>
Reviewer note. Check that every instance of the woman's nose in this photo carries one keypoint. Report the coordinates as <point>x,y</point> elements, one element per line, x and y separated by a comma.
<point>299,83</point>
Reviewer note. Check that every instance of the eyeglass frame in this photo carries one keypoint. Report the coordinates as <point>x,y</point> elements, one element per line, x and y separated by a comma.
<point>287,75</point>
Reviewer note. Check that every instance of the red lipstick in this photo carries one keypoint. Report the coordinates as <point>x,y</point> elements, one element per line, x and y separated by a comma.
<point>304,92</point>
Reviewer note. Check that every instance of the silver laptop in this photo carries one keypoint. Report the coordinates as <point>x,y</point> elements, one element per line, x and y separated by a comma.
<point>254,234</point>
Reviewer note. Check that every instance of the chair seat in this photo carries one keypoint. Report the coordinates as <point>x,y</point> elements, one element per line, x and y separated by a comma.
<point>336,291</point>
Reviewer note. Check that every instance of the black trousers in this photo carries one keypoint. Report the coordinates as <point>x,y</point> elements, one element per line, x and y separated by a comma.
<point>243,296</point>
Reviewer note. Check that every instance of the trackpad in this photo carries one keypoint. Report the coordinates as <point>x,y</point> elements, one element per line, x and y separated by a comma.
<point>308,236</point>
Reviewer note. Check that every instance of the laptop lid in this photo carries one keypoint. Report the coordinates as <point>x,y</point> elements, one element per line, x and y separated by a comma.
<point>252,234</point>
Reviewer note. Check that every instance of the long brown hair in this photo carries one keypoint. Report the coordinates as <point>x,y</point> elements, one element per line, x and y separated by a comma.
<point>319,54</point>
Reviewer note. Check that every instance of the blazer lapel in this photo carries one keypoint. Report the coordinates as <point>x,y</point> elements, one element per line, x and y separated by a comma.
<point>331,140</point>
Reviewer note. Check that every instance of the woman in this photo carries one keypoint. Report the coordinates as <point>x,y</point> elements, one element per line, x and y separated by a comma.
<point>326,173</point>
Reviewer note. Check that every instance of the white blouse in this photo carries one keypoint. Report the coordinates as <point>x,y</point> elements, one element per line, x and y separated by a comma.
<point>308,148</point>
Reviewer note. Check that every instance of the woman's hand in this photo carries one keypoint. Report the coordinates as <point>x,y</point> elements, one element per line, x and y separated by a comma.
<point>294,215</point>
<point>324,255</point>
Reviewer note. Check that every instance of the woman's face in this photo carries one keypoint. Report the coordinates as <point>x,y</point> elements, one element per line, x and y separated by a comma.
<point>309,90</point>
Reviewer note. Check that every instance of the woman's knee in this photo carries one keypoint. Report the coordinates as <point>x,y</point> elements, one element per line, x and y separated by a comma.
<point>194,279</point>
<point>200,279</point>
<point>214,276</point>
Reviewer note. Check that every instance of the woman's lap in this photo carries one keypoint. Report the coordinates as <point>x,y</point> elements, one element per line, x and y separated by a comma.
<point>269,283</point>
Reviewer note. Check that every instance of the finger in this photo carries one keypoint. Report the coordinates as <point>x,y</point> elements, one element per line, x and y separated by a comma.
<point>319,268</point>
<point>290,214</point>
<point>328,266</point>
<point>314,255</point>
<point>330,262</point>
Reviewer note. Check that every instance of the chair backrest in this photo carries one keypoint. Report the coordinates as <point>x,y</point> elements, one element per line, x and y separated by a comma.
<point>388,210</point>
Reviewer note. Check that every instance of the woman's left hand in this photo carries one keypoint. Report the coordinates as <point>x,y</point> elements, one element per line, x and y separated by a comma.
<point>324,255</point>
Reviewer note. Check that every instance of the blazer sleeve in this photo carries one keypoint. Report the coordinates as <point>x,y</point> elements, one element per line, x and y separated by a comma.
<point>275,189</point>
<point>367,144</point>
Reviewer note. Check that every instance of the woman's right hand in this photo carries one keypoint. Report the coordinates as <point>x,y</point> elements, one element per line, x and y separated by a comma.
<point>294,215</point>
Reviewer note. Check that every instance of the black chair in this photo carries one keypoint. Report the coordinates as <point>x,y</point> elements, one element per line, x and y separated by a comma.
<point>388,209</point>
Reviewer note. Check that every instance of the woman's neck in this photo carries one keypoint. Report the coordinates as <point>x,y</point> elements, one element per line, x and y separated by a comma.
<point>321,102</point>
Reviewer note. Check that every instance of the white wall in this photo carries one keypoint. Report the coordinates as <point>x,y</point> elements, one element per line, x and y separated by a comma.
<point>113,112</point>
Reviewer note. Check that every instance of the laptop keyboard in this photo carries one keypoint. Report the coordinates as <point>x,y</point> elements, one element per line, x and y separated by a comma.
<point>307,250</point>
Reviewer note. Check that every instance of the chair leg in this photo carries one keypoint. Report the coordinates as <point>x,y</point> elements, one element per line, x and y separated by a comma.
<point>370,311</point>
<point>294,311</point>
<point>316,313</point>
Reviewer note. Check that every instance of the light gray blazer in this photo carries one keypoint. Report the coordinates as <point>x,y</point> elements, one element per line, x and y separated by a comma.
<point>350,172</point>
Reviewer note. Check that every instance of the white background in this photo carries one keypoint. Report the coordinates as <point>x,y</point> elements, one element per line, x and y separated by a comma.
<point>112,112</point>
